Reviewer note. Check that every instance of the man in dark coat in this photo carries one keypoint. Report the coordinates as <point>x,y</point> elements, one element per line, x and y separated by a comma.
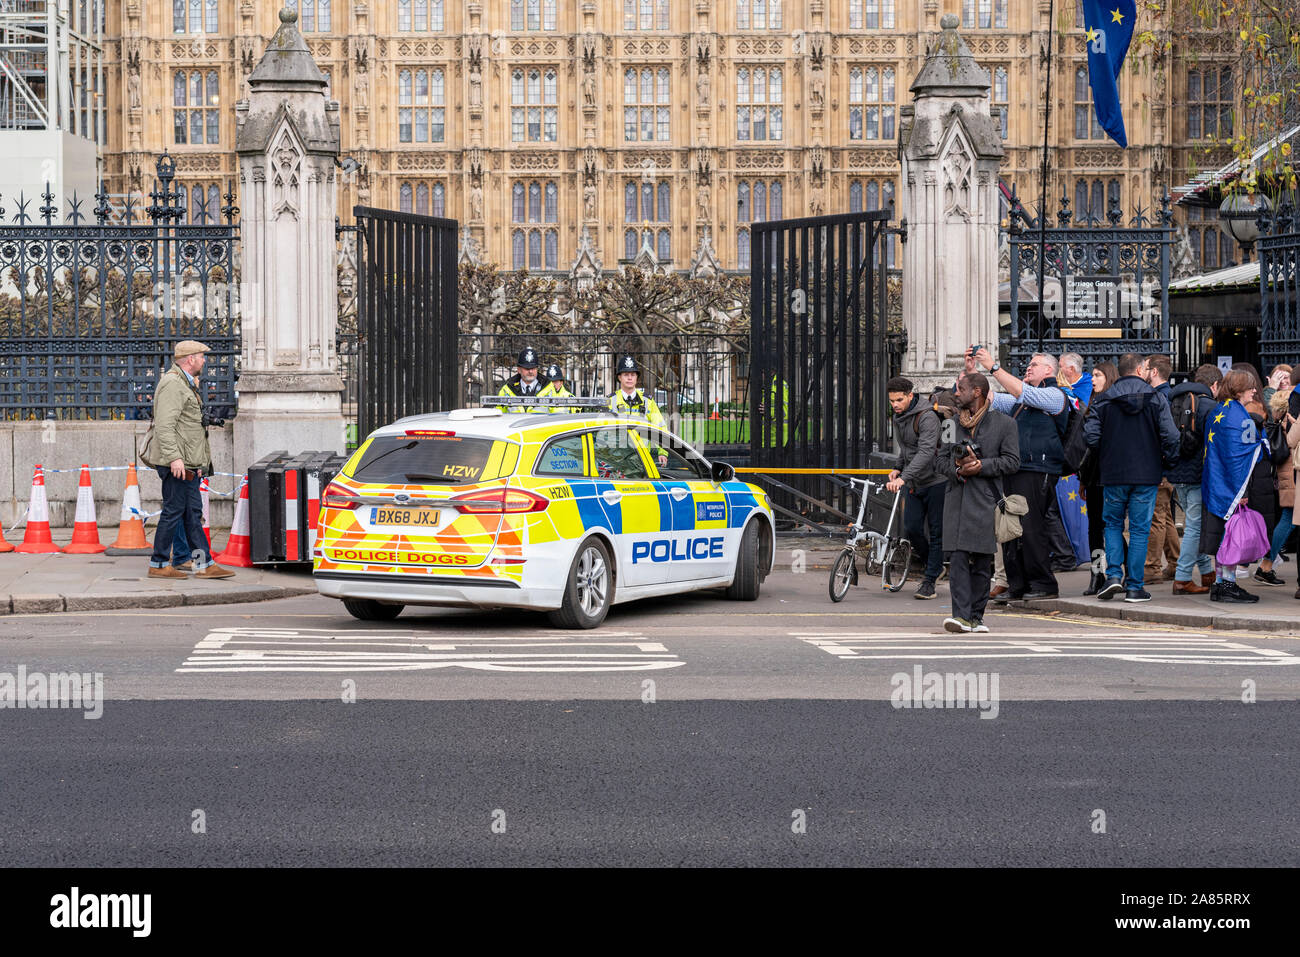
<point>916,427</point>
<point>986,447</point>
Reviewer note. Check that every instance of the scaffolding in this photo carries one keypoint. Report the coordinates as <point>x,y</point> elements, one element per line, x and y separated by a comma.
<point>52,66</point>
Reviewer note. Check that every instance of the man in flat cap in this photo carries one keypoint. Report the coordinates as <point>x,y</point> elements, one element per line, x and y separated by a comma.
<point>177,446</point>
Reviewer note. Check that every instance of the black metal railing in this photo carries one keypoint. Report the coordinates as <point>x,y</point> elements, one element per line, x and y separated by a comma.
<point>1279,286</point>
<point>1106,284</point>
<point>90,312</point>
<point>407,297</point>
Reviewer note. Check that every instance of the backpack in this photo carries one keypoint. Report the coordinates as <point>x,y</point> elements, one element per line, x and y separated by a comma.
<point>1074,444</point>
<point>1190,439</point>
<point>943,403</point>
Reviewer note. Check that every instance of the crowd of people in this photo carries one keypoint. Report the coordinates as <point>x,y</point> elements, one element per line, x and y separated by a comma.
<point>1097,464</point>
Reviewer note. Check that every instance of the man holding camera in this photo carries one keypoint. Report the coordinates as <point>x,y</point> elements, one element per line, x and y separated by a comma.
<point>1040,411</point>
<point>177,446</point>
<point>986,448</point>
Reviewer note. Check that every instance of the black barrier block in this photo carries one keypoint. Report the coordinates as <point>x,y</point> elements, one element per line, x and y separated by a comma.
<point>266,508</point>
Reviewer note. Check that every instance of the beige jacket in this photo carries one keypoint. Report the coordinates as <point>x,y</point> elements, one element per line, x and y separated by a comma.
<point>178,431</point>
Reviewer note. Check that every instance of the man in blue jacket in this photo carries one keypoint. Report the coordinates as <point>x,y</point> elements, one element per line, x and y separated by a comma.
<point>1136,436</point>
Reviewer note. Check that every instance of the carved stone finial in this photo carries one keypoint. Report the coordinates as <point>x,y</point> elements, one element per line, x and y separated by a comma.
<point>288,16</point>
<point>950,21</point>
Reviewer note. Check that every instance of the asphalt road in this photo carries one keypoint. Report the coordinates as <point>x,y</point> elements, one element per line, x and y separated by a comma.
<point>683,731</point>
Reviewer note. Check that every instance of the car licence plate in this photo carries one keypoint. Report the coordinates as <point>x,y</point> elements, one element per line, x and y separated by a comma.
<point>418,517</point>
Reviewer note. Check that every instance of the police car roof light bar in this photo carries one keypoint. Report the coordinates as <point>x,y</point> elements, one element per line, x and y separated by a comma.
<point>562,403</point>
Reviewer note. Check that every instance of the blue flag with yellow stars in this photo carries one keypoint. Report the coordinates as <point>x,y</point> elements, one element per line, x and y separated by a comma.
<point>1074,515</point>
<point>1110,26</point>
<point>1231,438</point>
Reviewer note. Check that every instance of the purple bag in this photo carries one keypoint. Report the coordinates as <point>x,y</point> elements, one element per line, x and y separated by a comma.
<point>1245,538</point>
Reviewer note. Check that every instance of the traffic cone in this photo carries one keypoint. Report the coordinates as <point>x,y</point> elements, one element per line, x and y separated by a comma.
<point>715,414</point>
<point>130,528</point>
<point>238,553</point>
<point>85,530</point>
<point>36,537</point>
<point>204,494</point>
<point>4,546</point>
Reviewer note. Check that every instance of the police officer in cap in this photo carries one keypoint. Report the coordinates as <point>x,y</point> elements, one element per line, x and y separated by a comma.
<point>526,382</point>
<point>627,399</point>
<point>556,387</point>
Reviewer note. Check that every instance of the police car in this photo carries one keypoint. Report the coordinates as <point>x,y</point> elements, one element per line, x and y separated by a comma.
<point>564,513</point>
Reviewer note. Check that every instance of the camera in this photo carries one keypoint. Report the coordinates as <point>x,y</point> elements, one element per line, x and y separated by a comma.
<point>966,450</point>
<point>972,350</point>
<point>208,420</point>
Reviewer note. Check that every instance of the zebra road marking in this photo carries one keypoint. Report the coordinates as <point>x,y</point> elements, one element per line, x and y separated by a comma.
<point>251,650</point>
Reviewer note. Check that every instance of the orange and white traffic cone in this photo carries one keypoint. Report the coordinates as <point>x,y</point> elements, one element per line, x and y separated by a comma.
<point>36,537</point>
<point>4,546</point>
<point>130,529</point>
<point>204,494</point>
<point>238,553</point>
<point>85,529</point>
<point>716,414</point>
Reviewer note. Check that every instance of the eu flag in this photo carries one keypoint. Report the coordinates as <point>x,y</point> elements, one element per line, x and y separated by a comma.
<point>1110,26</point>
<point>1231,438</point>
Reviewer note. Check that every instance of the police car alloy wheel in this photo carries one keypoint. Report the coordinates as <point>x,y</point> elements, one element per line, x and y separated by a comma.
<point>364,609</point>
<point>590,588</point>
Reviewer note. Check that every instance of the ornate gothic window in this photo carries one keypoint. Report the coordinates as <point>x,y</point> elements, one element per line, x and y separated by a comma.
<point>871,14</point>
<point>759,114</point>
<point>1210,246</point>
<point>1000,104</point>
<point>646,203</point>
<point>534,111</point>
<point>532,14</point>
<point>313,15</point>
<point>645,14</point>
<point>421,106</point>
<point>196,97</point>
<point>758,200</point>
<point>983,14</point>
<point>193,16</point>
<point>419,15</point>
<point>871,103</point>
<point>533,205</point>
<point>423,199</point>
<point>646,110</point>
<point>1209,103</point>
<point>1086,125</point>
<point>758,14</point>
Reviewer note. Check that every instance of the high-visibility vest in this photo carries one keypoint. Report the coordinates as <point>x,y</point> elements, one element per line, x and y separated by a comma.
<point>641,405</point>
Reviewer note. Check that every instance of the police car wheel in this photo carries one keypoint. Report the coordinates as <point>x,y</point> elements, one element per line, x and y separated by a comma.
<point>745,586</point>
<point>364,609</point>
<point>589,589</point>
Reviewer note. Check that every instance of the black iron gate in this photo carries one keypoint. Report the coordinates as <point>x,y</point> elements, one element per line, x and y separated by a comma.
<point>90,312</point>
<point>405,360</point>
<point>1107,285</point>
<point>817,301</point>
<point>1279,283</point>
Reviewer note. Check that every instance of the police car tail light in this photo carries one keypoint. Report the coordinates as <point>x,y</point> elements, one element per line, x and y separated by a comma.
<point>430,433</point>
<point>335,496</point>
<point>498,500</point>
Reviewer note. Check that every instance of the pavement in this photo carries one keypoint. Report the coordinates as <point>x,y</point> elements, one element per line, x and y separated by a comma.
<point>57,582</point>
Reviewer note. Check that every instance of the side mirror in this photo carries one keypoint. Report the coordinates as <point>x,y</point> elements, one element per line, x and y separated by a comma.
<point>721,472</point>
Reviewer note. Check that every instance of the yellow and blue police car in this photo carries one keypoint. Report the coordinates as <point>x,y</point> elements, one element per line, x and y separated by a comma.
<point>563,513</point>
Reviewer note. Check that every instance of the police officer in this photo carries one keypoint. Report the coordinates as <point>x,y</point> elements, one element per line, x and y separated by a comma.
<point>627,399</point>
<point>556,387</point>
<point>526,382</point>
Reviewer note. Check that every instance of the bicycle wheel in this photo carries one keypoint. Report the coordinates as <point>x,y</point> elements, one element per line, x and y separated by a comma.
<point>898,560</point>
<point>842,575</point>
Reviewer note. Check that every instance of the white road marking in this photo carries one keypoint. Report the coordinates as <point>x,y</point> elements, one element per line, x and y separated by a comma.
<point>1147,647</point>
<point>229,650</point>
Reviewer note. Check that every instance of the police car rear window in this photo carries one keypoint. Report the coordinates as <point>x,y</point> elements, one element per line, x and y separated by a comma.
<point>429,460</point>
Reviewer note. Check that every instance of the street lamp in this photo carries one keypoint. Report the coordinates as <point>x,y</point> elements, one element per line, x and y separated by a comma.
<point>1239,217</point>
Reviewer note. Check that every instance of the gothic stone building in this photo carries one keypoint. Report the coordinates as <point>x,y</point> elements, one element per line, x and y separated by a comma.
<point>650,121</point>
